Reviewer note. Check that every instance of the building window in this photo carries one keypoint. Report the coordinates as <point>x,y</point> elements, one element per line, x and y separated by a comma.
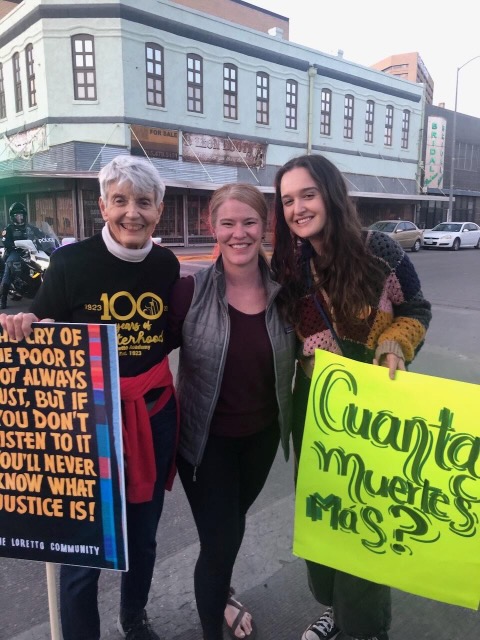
<point>83,55</point>
<point>194,83</point>
<point>230,91</point>
<point>291,104</point>
<point>467,156</point>
<point>388,126</point>
<point>3,108</point>
<point>155,78</point>
<point>348,117</point>
<point>405,128</point>
<point>369,117</point>
<point>17,82</point>
<point>32,94</point>
<point>262,98</point>
<point>326,112</point>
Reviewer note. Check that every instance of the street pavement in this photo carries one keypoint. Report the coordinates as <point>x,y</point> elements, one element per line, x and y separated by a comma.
<point>267,577</point>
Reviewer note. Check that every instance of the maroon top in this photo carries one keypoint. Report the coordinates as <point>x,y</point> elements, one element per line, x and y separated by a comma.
<point>247,402</point>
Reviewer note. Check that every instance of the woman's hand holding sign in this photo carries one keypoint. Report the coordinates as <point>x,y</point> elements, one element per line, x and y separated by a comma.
<point>392,361</point>
<point>19,326</point>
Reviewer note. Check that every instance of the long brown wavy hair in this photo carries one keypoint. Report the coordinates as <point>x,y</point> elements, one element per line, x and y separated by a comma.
<point>345,269</point>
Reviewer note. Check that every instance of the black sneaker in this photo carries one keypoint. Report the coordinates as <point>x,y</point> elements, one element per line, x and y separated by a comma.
<point>322,629</point>
<point>137,629</point>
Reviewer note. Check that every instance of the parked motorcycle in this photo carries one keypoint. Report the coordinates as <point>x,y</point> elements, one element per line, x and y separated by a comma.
<point>27,271</point>
<point>34,258</point>
<point>44,238</point>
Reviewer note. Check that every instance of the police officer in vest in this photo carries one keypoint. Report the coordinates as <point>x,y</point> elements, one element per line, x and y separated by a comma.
<point>16,230</point>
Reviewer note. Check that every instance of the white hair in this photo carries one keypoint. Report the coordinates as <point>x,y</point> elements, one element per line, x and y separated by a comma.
<point>138,172</point>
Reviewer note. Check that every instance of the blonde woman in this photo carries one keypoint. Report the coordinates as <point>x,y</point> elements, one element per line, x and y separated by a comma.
<point>234,388</point>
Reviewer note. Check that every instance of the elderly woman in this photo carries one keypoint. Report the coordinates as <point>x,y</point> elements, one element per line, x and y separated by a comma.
<point>117,275</point>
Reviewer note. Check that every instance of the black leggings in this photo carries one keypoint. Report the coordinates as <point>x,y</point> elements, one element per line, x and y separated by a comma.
<point>232,473</point>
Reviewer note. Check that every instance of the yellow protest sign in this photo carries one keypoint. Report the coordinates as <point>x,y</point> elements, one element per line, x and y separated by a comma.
<point>388,486</point>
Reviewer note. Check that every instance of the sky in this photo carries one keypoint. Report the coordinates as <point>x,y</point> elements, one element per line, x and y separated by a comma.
<point>445,33</point>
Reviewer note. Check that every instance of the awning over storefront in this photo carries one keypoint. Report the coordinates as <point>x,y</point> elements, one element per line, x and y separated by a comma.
<point>397,196</point>
<point>19,177</point>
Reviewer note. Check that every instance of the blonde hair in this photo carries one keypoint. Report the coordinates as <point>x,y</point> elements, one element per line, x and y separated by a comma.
<point>243,192</point>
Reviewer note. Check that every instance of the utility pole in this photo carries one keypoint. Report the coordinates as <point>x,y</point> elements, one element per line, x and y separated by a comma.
<point>454,143</point>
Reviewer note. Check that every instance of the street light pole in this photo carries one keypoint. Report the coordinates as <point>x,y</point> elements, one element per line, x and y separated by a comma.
<point>454,142</point>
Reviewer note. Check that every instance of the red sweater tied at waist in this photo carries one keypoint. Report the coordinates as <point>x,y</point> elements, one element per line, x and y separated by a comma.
<point>139,455</point>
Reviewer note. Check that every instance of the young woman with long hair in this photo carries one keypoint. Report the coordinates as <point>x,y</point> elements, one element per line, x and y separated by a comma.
<point>353,293</point>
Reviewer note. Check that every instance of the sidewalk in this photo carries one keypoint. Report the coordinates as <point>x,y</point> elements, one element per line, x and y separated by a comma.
<point>268,579</point>
<point>273,585</point>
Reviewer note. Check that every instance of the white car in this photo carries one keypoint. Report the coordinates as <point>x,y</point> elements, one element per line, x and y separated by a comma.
<point>453,235</point>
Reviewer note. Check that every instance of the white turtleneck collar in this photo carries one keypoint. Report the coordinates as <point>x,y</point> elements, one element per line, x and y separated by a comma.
<point>129,255</point>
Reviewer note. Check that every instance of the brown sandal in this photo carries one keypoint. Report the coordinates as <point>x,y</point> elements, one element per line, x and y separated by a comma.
<point>241,613</point>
